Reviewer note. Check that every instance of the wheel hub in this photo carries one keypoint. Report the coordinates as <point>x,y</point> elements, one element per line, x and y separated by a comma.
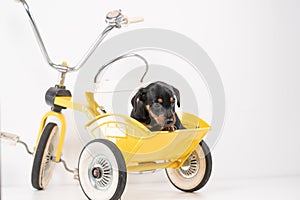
<point>190,167</point>
<point>100,173</point>
<point>97,172</point>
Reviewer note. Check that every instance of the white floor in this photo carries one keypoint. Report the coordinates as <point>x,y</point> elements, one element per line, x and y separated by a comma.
<point>267,188</point>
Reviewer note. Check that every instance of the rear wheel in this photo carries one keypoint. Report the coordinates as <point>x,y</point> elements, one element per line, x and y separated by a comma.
<point>195,172</point>
<point>43,165</point>
<point>102,170</point>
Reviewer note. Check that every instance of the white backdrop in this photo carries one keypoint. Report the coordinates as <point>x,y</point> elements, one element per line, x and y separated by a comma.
<point>254,45</point>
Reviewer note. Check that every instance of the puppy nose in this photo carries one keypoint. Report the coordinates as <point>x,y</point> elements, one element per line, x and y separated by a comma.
<point>169,121</point>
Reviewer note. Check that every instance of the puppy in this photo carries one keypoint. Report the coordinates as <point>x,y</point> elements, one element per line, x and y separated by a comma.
<point>154,106</point>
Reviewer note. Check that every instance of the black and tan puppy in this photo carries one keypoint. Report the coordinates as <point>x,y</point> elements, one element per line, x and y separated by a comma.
<point>154,106</point>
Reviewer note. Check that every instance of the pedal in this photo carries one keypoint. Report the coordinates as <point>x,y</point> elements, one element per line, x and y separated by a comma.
<point>9,138</point>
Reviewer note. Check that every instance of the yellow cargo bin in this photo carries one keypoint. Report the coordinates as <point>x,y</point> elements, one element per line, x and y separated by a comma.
<point>145,150</point>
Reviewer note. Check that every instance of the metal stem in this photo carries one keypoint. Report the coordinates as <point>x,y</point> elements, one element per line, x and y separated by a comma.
<point>122,57</point>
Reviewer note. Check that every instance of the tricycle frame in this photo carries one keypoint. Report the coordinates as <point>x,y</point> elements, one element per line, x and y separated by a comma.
<point>139,156</point>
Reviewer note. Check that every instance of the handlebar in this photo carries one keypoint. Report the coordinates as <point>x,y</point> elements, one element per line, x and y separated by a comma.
<point>114,19</point>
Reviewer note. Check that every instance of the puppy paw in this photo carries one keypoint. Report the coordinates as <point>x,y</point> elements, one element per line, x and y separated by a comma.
<point>170,128</point>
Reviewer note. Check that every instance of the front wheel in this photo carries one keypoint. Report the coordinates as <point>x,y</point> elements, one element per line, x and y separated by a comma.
<point>43,165</point>
<point>195,172</point>
<point>102,170</point>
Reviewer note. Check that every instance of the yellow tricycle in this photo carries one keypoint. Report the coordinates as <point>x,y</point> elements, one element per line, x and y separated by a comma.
<point>119,144</point>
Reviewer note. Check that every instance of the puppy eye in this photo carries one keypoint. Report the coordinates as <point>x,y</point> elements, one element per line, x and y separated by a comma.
<point>159,100</point>
<point>172,99</point>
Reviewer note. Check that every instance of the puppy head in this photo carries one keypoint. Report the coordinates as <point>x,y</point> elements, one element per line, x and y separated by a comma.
<point>155,105</point>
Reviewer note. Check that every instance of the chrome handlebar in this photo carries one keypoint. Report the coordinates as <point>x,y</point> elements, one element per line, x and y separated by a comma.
<point>114,19</point>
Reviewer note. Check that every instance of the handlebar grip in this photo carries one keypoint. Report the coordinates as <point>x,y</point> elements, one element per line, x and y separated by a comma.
<point>134,20</point>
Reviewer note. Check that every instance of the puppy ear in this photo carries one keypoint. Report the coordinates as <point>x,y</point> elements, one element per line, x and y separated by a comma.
<point>139,96</point>
<point>177,94</point>
<point>138,111</point>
